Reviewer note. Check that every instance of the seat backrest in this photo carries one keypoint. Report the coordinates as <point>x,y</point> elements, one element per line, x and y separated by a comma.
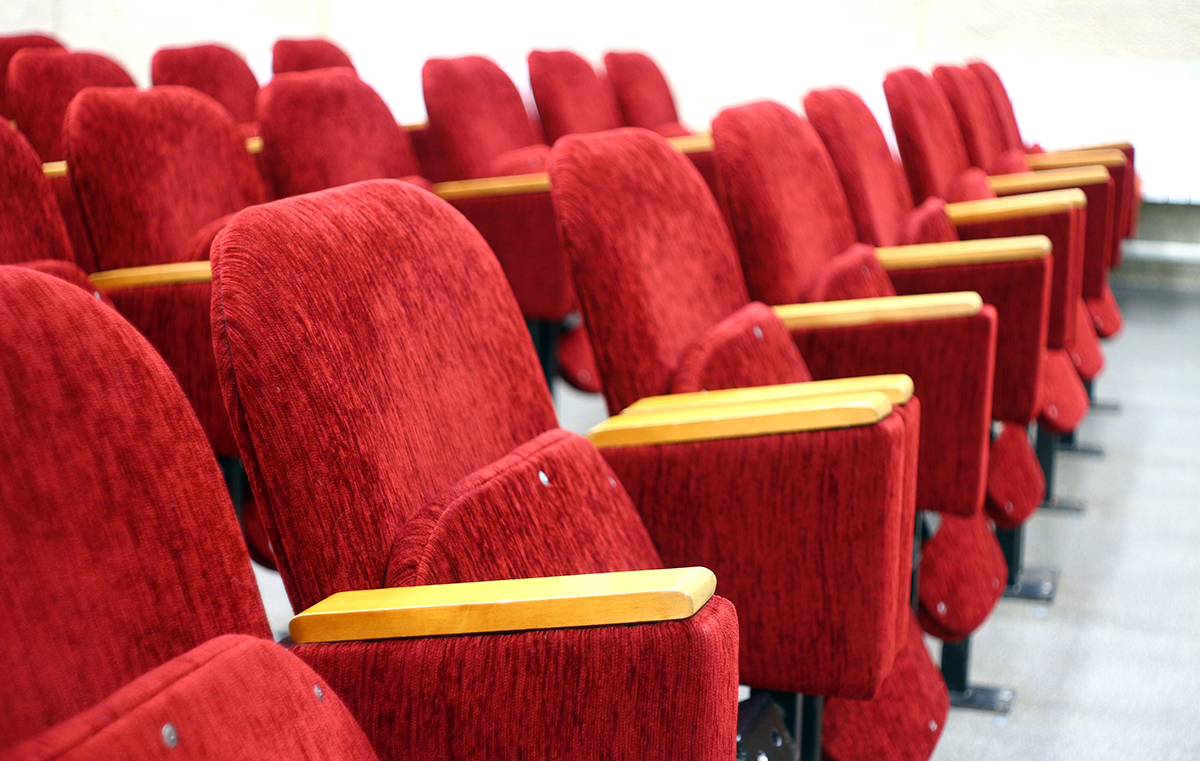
<point>118,543</point>
<point>475,114</point>
<point>152,168</point>
<point>326,128</point>
<point>1002,106</point>
<point>9,45</point>
<point>976,117</point>
<point>927,134</point>
<point>871,177</point>
<point>652,260</point>
<point>306,55</point>
<point>41,84</point>
<point>233,697</point>
<point>214,70</point>
<point>417,370</point>
<point>781,195</point>
<point>571,97</point>
<point>642,92</point>
<point>31,225</point>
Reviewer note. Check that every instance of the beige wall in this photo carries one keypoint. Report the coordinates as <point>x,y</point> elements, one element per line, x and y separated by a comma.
<point>1078,71</point>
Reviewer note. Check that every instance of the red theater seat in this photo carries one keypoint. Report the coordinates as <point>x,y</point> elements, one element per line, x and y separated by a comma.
<point>9,45</point>
<point>642,93</point>
<point>306,55</point>
<point>214,70</point>
<point>571,97</point>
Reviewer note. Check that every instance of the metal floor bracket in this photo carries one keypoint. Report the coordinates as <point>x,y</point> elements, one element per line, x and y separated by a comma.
<point>984,698</point>
<point>1037,584</point>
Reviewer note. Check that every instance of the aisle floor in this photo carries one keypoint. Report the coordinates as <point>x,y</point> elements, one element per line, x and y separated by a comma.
<point>1111,668</point>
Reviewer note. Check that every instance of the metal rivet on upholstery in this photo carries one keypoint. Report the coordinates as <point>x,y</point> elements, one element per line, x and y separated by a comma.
<point>1052,411</point>
<point>941,607</point>
<point>170,736</point>
<point>762,756</point>
<point>758,332</point>
<point>995,583</point>
<point>866,270</point>
<point>319,692</point>
<point>584,376</point>
<point>932,725</point>
<point>776,740</point>
<point>1008,508</point>
<point>545,479</point>
<point>96,294</point>
<point>1075,358</point>
<point>612,481</point>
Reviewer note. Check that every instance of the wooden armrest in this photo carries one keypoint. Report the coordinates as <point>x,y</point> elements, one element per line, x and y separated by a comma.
<point>922,306</point>
<point>692,143</point>
<point>414,127</point>
<point>1051,179</point>
<point>740,419</point>
<point>153,274</point>
<point>1016,207</point>
<point>964,252</point>
<point>897,388</point>
<point>254,144</point>
<point>556,602</point>
<point>517,184</point>
<point>54,169</point>
<point>1106,157</point>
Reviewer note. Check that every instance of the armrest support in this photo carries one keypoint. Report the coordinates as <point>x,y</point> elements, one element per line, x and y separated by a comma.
<point>1051,179</point>
<point>830,314</point>
<point>153,274</point>
<point>1015,207</point>
<point>556,602</point>
<point>898,388</point>
<point>692,143</point>
<point>516,184</point>
<point>1106,157</point>
<point>741,419</point>
<point>963,252</point>
<point>54,169</point>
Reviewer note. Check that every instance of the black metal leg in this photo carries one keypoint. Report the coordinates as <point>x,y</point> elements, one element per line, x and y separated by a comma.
<point>920,536</point>
<point>956,657</point>
<point>1046,445</point>
<point>1024,584</point>
<point>1100,405</point>
<point>545,337</point>
<point>235,481</point>
<point>812,717</point>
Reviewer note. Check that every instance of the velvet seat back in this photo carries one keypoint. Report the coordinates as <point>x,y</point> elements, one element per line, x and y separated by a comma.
<point>152,169</point>
<point>1002,107</point>
<point>326,128</point>
<point>214,70</point>
<point>571,97</point>
<point>781,195</point>
<point>652,260</point>
<point>31,226</point>
<point>977,121</point>
<point>475,114</point>
<point>416,371</point>
<point>9,45</point>
<point>927,134</point>
<point>642,92</point>
<point>118,544</point>
<point>306,55</point>
<point>41,84</point>
<point>871,177</point>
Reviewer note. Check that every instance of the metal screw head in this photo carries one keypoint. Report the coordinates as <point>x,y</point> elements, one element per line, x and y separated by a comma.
<point>758,332</point>
<point>866,270</point>
<point>545,479</point>
<point>170,736</point>
<point>612,481</point>
<point>995,583</point>
<point>96,294</point>
<point>1052,411</point>
<point>319,692</point>
<point>932,725</point>
<point>762,756</point>
<point>1008,507</point>
<point>776,740</point>
<point>941,607</point>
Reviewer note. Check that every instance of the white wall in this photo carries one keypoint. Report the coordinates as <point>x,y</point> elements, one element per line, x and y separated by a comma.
<point>1078,70</point>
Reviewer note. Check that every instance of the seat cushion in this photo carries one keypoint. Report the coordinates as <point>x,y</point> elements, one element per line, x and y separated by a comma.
<point>751,347</point>
<point>1016,483</point>
<point>527,160</point>
<point>962,577</point>
<point>1106,314</point>
<point>971,185</point>
<point>1063,400</point>
<point>928,223</point>
<point>1084,347</point>
<point>576,363</point>
<point>853,274</point>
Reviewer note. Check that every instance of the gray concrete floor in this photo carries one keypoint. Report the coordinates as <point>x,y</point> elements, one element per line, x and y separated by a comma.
<point>1111,668</point>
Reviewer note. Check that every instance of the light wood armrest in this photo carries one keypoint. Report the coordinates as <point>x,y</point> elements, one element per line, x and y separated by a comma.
<point>254,144</point>
<point>692,143</point>
<point>1016,207</point>
<point>1051,179</point>
<point>923,306</point>
<point>1106,157</point>
<point>153,274</point>
<point>414,127</point>
<point>517,184</point>
<point>54,169</point>
<point>964,252</point>
<point>740,419</point>
<point>897,388</point>
<point>557,602</point>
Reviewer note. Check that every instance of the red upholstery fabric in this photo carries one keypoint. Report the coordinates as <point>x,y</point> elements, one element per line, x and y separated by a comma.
<point>233,697</point>
<point>962,577</point>
<point>1064,400</point>
<point>751,342</point>
<point>99,549</point>
<point>903,722</point>
<point>527,160</point>
<point>214,70</point>
<point>1001,105</point>
<point>853,274</point>
<point>31,226</point>
<point>928,223</point>
<point>927,134</point>
<point>571,97</point>
<point>65,270</point>
<point>42,82</point>
<point>1085,349</point>
<point>658,691</point>
<point>971,185</point>
<point>9,45</point>
<point>642,93</point>
<point>1106,314</point>
<point>475,114</point>
<point>305,55</point>
<point>981,131</point>
<point>576,363</point>
<point>326,128</point>
<point>130,155</point>
<point>1016,483</point>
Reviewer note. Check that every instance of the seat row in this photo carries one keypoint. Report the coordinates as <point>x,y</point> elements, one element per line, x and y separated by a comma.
<point>371,374</point>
